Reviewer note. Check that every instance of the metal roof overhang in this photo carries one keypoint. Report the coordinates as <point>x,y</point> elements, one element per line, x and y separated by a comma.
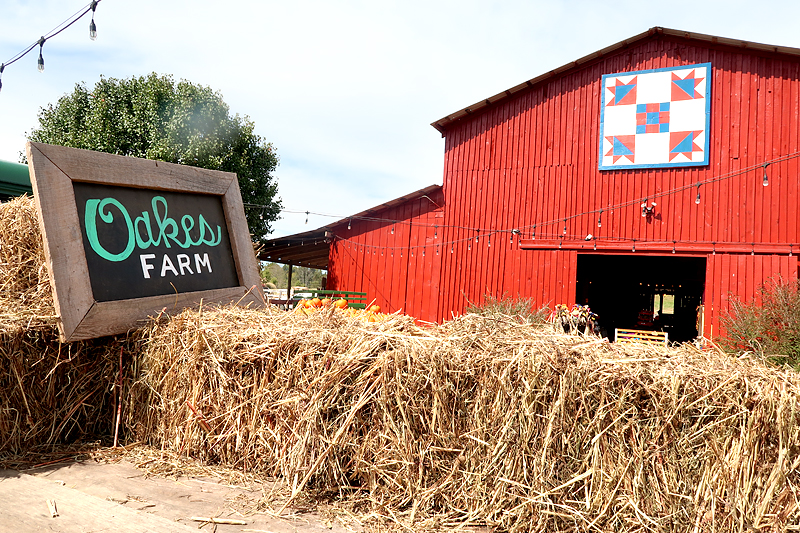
<point>312,248</point>
<point>442,124</point>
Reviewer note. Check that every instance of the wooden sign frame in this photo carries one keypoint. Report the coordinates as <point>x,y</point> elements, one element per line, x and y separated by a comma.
<point>53,170</point>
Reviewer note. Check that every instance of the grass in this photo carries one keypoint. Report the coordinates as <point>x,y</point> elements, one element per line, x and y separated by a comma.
<point>523,309</point>
<point>769,325</point>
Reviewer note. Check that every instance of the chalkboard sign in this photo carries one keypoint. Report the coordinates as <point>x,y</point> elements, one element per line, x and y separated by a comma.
<point>129,238</point>
<point>145,243</point>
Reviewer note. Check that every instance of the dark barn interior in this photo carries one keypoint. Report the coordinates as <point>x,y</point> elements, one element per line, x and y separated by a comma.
<point>658,293</point>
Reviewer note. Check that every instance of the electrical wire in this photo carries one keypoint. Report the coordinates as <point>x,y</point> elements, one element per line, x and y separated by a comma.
<point>486,232</point>
<point>72,19</point>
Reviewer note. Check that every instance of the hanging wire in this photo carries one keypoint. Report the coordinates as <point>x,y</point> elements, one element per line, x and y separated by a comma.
<point>410,248</point>
<point>52,33</point>
<point>533,227</point>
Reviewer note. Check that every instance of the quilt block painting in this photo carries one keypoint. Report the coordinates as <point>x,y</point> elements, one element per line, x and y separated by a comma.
<point>655,118</point>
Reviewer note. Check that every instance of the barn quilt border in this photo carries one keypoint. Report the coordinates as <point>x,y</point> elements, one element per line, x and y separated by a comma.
<point>657,118</point>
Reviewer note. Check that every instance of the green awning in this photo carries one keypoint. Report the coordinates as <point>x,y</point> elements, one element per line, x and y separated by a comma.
<point>14,180</point>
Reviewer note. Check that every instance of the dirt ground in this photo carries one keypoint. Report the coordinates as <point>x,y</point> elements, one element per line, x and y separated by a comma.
<point>94,496</point>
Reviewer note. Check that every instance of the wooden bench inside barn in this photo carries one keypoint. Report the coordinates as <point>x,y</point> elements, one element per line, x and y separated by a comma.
<point>641,336</point>
<point>356,300</point>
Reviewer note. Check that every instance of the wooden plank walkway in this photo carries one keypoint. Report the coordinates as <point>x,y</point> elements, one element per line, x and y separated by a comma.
<point>23,507</point>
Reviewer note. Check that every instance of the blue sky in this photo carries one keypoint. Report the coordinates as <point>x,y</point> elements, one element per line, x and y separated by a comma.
<point>345,90</point>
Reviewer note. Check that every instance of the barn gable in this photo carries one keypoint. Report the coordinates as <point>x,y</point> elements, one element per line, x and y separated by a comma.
<point>525,171</point>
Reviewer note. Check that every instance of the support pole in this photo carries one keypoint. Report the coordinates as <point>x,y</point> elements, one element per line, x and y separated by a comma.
<point>289,282</point>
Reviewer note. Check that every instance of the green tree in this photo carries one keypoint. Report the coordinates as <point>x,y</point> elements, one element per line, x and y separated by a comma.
<point>266,275</point>
<point>155,118</point>
<point>306,277</point>
<point>276,273</point>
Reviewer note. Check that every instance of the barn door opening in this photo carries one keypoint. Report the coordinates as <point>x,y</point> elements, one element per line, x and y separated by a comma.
<point>655,293</point>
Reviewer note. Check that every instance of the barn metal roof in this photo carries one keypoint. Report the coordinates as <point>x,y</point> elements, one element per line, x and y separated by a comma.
<point>442,124</point>
<point>311,248</point>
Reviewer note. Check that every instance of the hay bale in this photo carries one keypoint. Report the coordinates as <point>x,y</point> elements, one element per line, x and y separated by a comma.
<point>26,300</point>
<point>51,394</point>
<point>478,421</point>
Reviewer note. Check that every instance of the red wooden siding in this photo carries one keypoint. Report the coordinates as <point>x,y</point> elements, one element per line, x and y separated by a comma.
<point>394,257</point>
<point>534,158</point>
<point>740,275</point>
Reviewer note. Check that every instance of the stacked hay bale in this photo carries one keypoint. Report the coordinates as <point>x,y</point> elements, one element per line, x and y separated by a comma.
<point>50,394</point>
<point>479,420</point>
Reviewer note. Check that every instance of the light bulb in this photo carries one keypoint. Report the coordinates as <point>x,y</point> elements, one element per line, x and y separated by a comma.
<point>697,199</point>
<point>40,63</point>
<point>92,25</point>
<point>599,219</point>
<point>766,178</point>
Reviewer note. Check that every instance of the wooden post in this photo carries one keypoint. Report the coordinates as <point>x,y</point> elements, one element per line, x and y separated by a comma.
<point>289,283</point>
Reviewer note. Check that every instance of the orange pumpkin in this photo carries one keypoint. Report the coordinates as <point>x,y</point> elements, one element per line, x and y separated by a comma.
<point>341,303</point>
<point>375,308</point>
<point>326,302</point>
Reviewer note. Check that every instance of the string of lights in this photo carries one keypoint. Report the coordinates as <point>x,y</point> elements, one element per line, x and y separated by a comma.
<point>793,246</point>
<point>536,230</point>
<point>92,6</point>
<point>677,190</point>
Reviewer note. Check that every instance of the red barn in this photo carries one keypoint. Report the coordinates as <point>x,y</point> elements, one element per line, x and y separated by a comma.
<point>658,174</point>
